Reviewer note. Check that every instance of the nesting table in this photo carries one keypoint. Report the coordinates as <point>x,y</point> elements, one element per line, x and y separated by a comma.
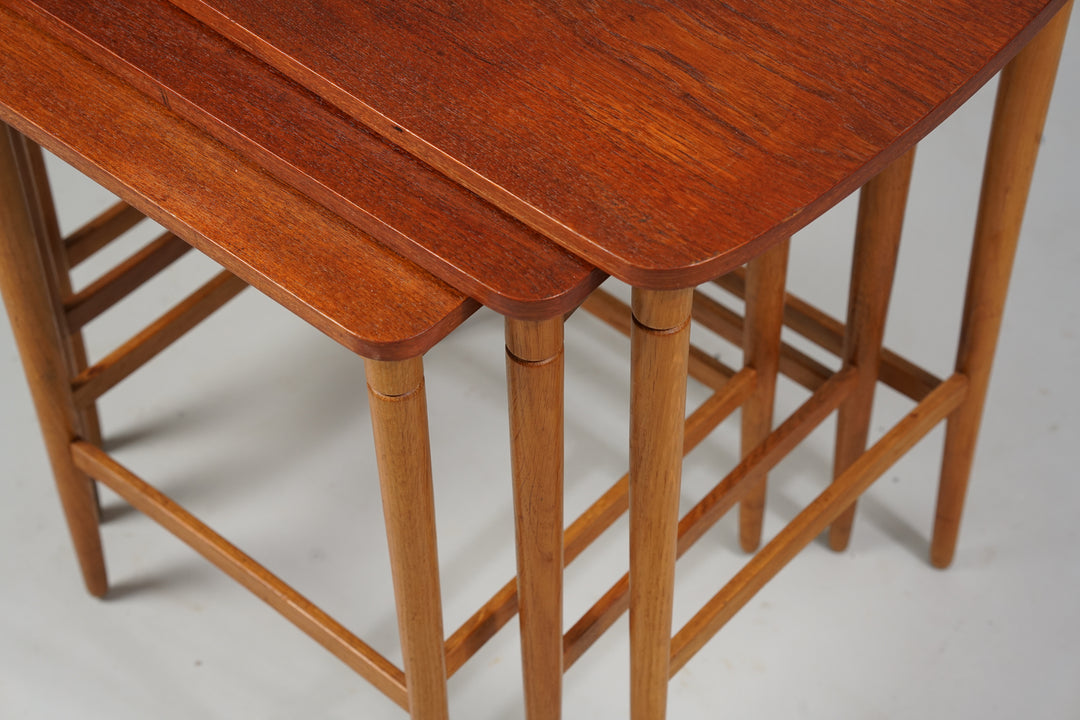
<point>515,155</point>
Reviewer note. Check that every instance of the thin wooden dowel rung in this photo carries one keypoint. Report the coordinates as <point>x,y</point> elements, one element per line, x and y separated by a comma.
<point>702,367</point>
<point>799,315</point>
<point>121,281</point>
<point>905,377</point>
<point>717,408</point>
<point>100,231</point>
<point>136,352</point>
<point>481,626</point>
<point>355,653</point>
<point>827,332</point>
<point>707,370</point>
<point>758,462</point>
<point>815,518</point>
<point>598,517</point>
<point>729,325</point>
<point>606,307</point>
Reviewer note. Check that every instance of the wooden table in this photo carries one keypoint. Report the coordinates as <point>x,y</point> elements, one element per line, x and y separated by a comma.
<point>665,147</point>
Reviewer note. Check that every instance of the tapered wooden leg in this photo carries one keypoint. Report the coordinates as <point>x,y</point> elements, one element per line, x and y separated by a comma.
<point>399,422</point>
<point>660,342</point>
<point>534,373</point>
<point>765,279</point>
<point>877,240</point>
<point>43,214</point>
<point>42,209</point>
<point>1023,97</point>
<point>33,308</point>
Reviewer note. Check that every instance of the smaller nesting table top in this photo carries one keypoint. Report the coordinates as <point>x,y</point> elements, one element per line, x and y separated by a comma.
<point>339,279</point>
<point>316,148</point>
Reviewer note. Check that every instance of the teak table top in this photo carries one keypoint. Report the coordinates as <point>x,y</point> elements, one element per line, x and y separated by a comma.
<point>332,158</point>
<point>664,143</point>
<point>324,269</point>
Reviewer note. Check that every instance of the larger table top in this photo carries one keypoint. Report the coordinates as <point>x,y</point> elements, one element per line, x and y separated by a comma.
<point>665,143</point>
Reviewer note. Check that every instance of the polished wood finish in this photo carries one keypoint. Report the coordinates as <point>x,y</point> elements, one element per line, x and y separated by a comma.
<point>354,652</point>
<point>592,523</point>
<point>317,265</point>
<point>659,349</point>
<point>33,306</point>
<point>97,379</point>
<point>361,294</point>
<point>534,375</point>
<point>766,276</point>
<point>899,373</point>
<point>99,231</point>
<point>112,287</point>
<point>816,517</point>
<point>729,491</point>
<point>665,145</point>
<point>630,133</point>
<point>314,147</point>
<point>703,367</point>
<point>1023,97</point>
<point>882,202</point>
<point>43,212</point>
<point>399,423</point>
<point>731,326</point>
<point>610,309</point>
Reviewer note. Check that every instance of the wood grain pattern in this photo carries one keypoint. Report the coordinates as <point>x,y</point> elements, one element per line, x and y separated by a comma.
<point>108,372</point>
<point>324,153</point>
<point>597,518</point>
<point>320,267</point>
<point>659,350</point>
<point>664,143</point>
<point>398,404</point>
<point>1019,114</point>
<point>735,485</point>
<point>300,611</point>
<point>118,283</point>
<point>33,306</point>
<point>100,231</point>
<point>811,521</point>
<point>43,212</point>
<point>534,378</point>
<point>878,228</point>
<point>703,367</point>
<point>897,372</point>
<point>729,325</point>
<point>766,277</point>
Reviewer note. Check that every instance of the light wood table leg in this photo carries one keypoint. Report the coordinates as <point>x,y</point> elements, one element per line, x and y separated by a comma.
<point>534,373</point>
<point>765,280</point>
<point>43,214</point>
<point>399,422</point>
<point>34,311</point>
<point>1023,97</point>
<point>877,240</point>
<point>660,343</point>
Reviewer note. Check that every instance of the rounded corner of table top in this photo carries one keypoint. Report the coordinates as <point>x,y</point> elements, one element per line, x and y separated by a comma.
<point>300,254</point>
<point>655,143</point>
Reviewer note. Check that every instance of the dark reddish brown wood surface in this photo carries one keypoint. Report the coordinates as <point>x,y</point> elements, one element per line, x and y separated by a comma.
<point>302,255</point>
<point>323,152</point>
<point>664,142</point>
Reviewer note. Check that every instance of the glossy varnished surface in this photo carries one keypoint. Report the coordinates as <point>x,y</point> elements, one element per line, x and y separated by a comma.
<point>323,152</point>
<point>322,268</point>
<point>666,143</point>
